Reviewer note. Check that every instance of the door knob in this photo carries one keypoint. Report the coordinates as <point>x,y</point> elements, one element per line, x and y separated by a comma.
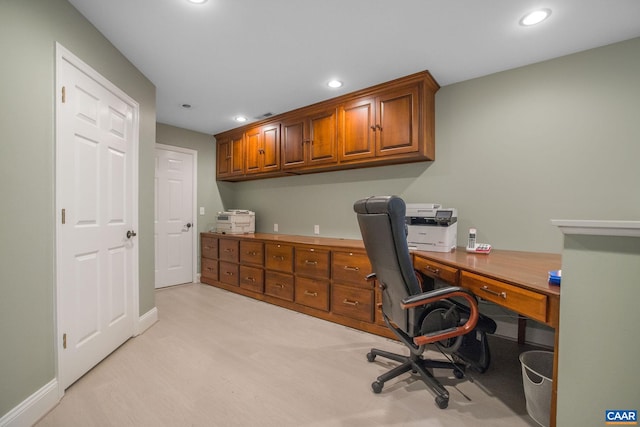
<point>130,234</point>
<point>188,225</point>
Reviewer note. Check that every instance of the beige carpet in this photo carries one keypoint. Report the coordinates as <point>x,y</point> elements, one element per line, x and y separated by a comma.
<point>219,359</point>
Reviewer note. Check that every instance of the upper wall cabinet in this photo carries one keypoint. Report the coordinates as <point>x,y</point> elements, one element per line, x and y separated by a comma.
<point>389,123</point>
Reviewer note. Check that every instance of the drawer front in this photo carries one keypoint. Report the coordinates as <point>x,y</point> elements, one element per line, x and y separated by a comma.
<point>312,262</point>
<point>209,268</point>
<point>252,278</point>
<point>279,285</point>
<point>523,301</point>
<point>351,267</point>
<point>436,270</point>
<point>353,302</point>
<point>228,273</point>
<point>312,293</point>
<point>209,247</point>
<point>279,257</point>
<point>228,250</point>
<point>251,252</point>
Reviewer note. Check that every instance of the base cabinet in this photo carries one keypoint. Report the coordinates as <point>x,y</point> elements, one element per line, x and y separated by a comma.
<point>325,278</point>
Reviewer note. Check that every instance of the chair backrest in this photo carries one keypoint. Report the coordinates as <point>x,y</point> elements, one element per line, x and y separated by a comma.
<point>382,225</point>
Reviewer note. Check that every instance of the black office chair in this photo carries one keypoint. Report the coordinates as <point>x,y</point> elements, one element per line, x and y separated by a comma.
<point>418,318</point>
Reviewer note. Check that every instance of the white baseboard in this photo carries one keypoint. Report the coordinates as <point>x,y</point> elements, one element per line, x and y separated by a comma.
<point>147,320</point>
<point>33,408</point>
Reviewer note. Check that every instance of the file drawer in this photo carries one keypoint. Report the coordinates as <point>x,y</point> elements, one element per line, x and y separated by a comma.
<point>228,250</point>
<point>209,247</point>
<point>209,268</point>
<point>228,273</point>
<point>312,262</point>
<point>279,257</point>
<point>279,285</point>
<point>353,302</point>
<point>251,252</point>
<point>312,293</point>
<point>350,267</point>
<point>252,278</point>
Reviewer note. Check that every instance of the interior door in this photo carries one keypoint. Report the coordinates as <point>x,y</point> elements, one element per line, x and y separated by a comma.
<point>174,219</point>
<point>96,199</point>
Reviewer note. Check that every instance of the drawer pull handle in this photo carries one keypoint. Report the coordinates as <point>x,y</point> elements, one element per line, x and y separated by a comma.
<point>350,268</point>
<point>349,302</point>
<point>307,262</point>
<point>379,306</point>
<point>228,273</point>
<point>228,250</point>
<point>278,257</point>
<point>252,253</point>
<point>207,247</point>
<point>432,269</point>
<point>279,285</point>
<point>251,279</point>
<point>209,268</point>
<point>311,294</point>
<point>492,292</point>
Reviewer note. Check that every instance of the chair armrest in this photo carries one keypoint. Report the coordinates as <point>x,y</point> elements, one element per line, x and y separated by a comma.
<point>438,295</point>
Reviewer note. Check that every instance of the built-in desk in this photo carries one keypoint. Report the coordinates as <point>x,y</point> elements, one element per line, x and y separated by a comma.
<point>325,278</point>
<point>512,279</point>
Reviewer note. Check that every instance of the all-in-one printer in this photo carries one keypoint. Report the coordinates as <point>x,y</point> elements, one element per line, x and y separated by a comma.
<point>430,227</point>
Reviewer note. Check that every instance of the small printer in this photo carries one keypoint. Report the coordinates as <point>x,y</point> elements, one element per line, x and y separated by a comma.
<point>430,227</point>
<point>236,221</point>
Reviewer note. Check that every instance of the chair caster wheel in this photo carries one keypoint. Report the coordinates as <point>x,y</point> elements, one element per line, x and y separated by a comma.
<point>371,357</point>
<point>458,374</point>
<point>442,402</point>
<point>377,387</point>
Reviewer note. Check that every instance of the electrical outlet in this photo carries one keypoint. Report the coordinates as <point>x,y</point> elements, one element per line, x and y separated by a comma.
<point>316,229</point>
<point>275,228</point>
<point>201,210</point>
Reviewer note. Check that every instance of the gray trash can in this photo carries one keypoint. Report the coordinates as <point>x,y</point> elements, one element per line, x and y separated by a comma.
<point>537,373</point>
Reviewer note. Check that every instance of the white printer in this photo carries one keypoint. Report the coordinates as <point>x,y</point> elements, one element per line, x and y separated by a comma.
<point>236,221</point>
<point>430,227</point>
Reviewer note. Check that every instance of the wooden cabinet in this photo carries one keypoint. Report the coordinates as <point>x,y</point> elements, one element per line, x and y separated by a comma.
<point>389,123</point>
<point>386,124</point>
<point>230,156</point>
<point>310,140</point>
<point>262,149</point>
<point>321,277</point>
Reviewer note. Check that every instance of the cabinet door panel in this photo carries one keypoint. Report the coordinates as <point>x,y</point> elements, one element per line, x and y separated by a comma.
<point>252,278</point>
<point>279,257</point>
<point>355,132</point>
<point>223,153</point>
<point>237,155</point>
<point>279,285</point>
<point>252,151</point>
<point>271,148</point>
<point>323,146</point>
<point>293,140</point>
<point>397,122</point>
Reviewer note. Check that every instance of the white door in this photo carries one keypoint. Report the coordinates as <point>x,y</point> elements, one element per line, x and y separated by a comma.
<point>174,219</point>
<point>96,200</point>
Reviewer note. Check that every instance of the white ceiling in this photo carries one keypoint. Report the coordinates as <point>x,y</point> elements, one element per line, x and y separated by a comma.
<point>251,57</point>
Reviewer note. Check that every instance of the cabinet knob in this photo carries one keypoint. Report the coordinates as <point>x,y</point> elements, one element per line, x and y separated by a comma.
<point>379,127</point>
<point>373,128</point>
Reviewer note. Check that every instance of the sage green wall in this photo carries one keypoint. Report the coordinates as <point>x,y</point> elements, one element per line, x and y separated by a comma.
<point>208,195</point>
<point>599,347</point>
<point>557,139</point>
<point>28,33</point>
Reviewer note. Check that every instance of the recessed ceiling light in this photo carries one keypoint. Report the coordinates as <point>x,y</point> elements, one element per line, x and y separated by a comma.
<point>535,17</point>
<point>197,1</point>
<point>240,119</point>
<point>187,106</point>
<point>334,83</point>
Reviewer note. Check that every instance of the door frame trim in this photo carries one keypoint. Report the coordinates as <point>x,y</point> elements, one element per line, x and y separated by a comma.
<point>194,189</point>
<point>65,55</point>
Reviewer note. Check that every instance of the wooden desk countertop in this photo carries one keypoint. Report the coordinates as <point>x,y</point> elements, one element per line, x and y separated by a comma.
<point>528,270</point>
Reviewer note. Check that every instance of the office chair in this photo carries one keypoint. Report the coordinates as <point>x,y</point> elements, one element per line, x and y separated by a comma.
<point>418,318</point>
